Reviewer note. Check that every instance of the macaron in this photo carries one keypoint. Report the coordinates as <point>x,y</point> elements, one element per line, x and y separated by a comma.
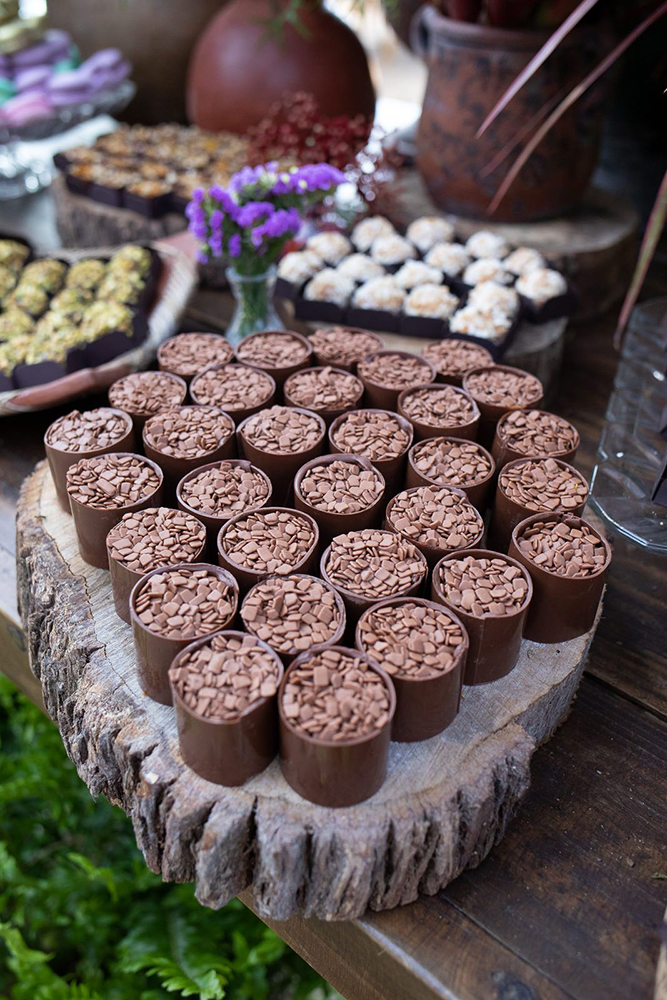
<point>26,108</point>
<point>33,78</point>
<point>7,89</point>
<point>53,46</point>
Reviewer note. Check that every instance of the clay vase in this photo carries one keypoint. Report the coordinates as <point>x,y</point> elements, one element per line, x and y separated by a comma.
<point>239,69</point>
<point>470,67</point>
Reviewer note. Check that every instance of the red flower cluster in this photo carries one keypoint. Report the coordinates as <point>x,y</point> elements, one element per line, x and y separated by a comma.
<point>295,130</point>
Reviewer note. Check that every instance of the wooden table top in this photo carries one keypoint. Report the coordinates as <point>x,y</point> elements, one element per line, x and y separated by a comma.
<point>570,903</point>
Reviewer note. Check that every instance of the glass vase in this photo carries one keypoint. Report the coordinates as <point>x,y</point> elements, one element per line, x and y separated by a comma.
<point>254,304</point>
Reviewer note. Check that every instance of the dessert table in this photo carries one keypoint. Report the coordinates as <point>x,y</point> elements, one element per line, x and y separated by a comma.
<point>570,903</point>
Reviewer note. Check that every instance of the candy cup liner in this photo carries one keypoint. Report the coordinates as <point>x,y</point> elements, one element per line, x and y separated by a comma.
<point>155,652</point>
<point>60,461</point>
<point>563,607</point>
<point>93,524</point>
<point>425,706</point>
<point>477,492</point>
<point>228,751</point>
<point>507,513</point>
<point>495,640</point>
<point>423,430</point>
<point>334,774</point>
<point>246,577</point>
<point>329,522</point>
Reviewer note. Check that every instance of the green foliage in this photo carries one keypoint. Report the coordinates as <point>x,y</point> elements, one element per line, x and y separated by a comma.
<point>81,917</point>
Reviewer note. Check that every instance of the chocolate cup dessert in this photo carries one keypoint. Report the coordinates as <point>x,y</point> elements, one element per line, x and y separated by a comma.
<point>494,640</point>
<point>281,467</point>
<point>123,580</point>
<point>432,553</point>
<point>155,652</point>
<point>327,414</point>
<point>424,706</point>
<point>477,492</point>
<point>278,374</point>
<point>213,522</point>
<point>334,774</point>
<point>240,413</point>
<point>348,366</point>
<point>503,452</point>
<point>175,468</point>
<point>507,513</point>
<point>491,413</point>
<point>228,751</point>
<point>456,378</point>
<point>336,638</point>
<point>384,397</point>
<point>331,523</point>
<point>562,607</point>
<point>92,524</point>
<point>139,419</point>
<point>60,460</point>
<point>423,430</point>
<point>393,469</point>
<point>216,340</point>
<point>355,604</point>
<point>247,577</point>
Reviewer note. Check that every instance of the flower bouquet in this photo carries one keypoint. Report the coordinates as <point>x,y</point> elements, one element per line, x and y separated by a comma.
<point>248,223</point>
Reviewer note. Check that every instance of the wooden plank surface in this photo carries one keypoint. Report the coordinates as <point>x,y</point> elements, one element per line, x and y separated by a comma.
<point>567,905</point>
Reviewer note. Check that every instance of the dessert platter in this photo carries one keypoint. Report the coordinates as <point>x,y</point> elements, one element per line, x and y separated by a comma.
<point>73,321</point>
<point>425,283</point>
<point>305,610</point>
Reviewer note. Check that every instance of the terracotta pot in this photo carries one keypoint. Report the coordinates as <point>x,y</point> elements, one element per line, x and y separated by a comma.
<point>157,38</point>
<point>238,70</point>
<point>470,66</point>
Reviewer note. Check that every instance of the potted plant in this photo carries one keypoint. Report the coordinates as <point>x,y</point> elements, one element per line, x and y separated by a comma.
<point>474,51</point>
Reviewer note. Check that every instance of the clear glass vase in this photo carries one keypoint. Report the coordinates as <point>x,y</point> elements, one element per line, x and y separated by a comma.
<point>254,304</point>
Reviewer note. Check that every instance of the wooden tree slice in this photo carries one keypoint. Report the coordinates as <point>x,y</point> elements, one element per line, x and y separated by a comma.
<point>83,222</point>
<point>445,803</point>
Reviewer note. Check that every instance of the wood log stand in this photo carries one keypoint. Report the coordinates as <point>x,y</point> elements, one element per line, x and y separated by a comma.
<point>445,803</point>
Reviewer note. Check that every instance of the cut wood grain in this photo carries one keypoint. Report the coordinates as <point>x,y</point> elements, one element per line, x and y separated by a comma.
<point>82,222</point>
<point>445,803</point>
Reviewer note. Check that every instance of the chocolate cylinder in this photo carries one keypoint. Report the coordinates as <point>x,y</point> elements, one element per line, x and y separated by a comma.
<point>279,466</point>
<point>432,553</point>
<point>503,453</point>
<point>139,419</point>
<point>155,652</point>
<point>175,468</point>
<point>246,577</point>
<point>477,492</point>
<point>562,607</point>
<point>164,366</point>
<point>507,513</point>
<point>329,522</point>
<point>321,360</point>
<point>355,604</point>
<point>467,431</point>
<point>228,751</point>
<point>495,640</point>
<point>335,639</point>
<point>334,774</point>
<point>385,397</point>
<point>92,524</point>
<point>490,413</point>
<point>60,460</point>
<point>393,469</point>
<point>244,411</point>
<point>279,374</point>
<point>328,414</point>
<point>123,580</point>
<point>214,522</point>
<point>424,706</point>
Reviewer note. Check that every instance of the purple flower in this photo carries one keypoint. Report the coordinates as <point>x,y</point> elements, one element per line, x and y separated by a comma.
<point>216,218</point>
<point>202,257</point>
<point>234,245</point>
<point>249,214</point>
<point>198,196</point>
